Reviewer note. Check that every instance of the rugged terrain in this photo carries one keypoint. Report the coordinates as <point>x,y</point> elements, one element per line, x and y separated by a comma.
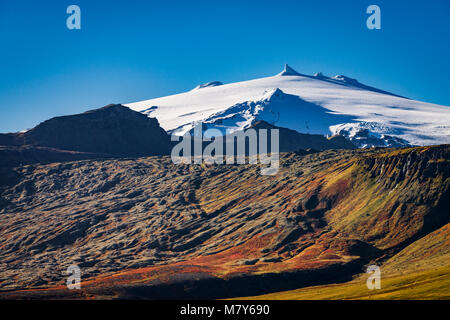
<point>147,228</point>
<point>113,130</point>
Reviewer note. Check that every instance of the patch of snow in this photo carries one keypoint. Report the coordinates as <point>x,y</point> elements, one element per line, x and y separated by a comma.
<point>208,85</point>
<point>370,134</point>
<point>307,104</point>
<point>345,79</point>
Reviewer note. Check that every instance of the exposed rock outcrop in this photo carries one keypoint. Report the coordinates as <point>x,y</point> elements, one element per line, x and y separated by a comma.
<point>113,130</point>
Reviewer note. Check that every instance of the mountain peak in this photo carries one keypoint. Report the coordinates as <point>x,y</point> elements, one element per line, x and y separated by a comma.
<point>309,104</point>
<point>273,93</point>
<point>288,71</point>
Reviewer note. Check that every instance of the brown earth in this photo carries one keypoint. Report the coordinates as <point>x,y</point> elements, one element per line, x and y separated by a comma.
<point>147,228</point>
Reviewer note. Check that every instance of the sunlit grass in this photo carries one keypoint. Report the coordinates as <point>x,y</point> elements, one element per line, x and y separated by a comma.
<point>434,284</point>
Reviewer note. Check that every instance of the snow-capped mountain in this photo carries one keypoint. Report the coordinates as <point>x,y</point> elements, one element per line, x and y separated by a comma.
<point>308,104</point>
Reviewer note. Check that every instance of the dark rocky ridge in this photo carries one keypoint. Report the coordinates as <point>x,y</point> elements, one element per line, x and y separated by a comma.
<point>291,140</point>
<point>114,130</point>
<point>117,131</point>
<point>12,156</point>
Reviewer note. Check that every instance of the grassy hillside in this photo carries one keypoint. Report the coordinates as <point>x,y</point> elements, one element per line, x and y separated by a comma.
<point>419,271</point>
<point>431,284</point>
<point>430,252</point>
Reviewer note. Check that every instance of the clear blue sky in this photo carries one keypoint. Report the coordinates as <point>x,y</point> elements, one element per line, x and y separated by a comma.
<point>133,50</point>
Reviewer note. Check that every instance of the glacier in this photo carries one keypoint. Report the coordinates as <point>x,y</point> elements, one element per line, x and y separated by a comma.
<point>315,104</point>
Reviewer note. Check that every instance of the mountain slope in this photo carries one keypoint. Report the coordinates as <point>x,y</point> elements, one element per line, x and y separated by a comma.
<point>149,228</point>
<point>433,284</point>
<point>111,130</point>
<point>307,104</point>
<point>419,271</point>
<point>291,140</point>
<point>429,252</point>
<point>117,131</point>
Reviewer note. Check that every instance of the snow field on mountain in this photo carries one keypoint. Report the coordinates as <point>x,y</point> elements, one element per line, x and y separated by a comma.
<point>308,104</point>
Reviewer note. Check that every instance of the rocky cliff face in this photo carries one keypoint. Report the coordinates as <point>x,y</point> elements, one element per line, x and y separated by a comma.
<point>114,130</point>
